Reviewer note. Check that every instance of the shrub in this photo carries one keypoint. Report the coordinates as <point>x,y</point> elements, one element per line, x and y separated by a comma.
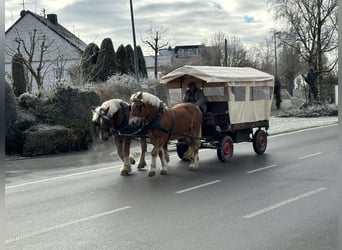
<point>117,86</point>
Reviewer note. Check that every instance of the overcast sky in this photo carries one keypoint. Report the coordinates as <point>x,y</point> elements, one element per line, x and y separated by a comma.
<point>186,22</point>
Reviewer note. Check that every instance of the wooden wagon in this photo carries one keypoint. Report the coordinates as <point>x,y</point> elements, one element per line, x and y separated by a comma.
<point>238,105</point>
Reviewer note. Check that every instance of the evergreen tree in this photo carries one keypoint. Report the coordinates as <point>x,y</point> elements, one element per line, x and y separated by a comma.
<point>122,60</point>
<point>130,59</point>
<point>88,62</point>
<point>141,62</point>
<point>18,75</point>
<point>106,64</point>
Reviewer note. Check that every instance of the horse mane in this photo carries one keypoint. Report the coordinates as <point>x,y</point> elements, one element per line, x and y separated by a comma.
<point>112,104</point>
<point>146,98</point>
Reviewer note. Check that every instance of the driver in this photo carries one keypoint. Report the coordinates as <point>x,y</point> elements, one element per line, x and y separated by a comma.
<point>195,95</point>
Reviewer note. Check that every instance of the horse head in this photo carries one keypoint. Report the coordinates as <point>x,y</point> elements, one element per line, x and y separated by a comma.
<point>109,117</point>
<point>144,107</point>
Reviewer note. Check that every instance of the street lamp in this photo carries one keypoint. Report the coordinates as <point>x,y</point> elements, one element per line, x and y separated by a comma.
<point>134,45</point>
<point>275,53</point>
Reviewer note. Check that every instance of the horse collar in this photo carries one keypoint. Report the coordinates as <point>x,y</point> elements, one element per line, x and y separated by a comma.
<point>155,123</point>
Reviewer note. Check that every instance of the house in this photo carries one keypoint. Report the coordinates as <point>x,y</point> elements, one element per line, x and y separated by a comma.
<point>63,48</point>
<point>171,58</point>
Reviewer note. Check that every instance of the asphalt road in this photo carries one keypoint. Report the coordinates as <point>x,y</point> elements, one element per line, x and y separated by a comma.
<point>284,199</point>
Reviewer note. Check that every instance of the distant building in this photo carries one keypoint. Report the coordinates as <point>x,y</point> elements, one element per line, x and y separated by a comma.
<point>174,57</point>
<point>64,49</point>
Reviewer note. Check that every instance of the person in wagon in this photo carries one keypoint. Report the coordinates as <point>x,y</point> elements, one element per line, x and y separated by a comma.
<point>196,96</point>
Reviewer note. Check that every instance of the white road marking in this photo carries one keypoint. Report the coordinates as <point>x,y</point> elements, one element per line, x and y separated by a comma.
<point>60,177</point>
<point>301,130</point>
<point>283,203</point>
<point>60,226</point>
<point>260,169</point>
<point>68,176</point>
<point>308,156</point>
<point>197,187</point>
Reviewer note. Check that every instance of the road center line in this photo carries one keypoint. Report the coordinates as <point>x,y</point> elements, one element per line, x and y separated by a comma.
<point>308,156</point>
<point>197,187</point>
<point>60,177</point>
<point>260,169</point>
<point>60,226</point>
<point>283,203</point>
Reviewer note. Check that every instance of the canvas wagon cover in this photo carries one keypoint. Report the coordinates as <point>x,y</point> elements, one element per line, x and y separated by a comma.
<point>240,111</point>
<point>218,74</point>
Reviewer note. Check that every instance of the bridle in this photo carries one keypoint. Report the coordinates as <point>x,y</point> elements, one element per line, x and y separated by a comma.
<point>109,128</point>
<point>106,119</point>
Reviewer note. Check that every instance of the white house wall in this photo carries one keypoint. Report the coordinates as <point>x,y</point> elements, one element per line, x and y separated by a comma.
<point>59,48</point>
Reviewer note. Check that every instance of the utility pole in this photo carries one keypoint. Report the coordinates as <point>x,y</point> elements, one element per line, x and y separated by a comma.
<point>134,45</point>
<point>225,53</point>
<point>275,54</point>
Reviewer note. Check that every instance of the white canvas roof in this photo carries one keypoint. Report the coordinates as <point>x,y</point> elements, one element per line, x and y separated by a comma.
<point>218,74</point>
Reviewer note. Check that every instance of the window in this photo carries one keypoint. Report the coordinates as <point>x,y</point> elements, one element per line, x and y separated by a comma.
<point>213,91</point>
<point>175,96</point>
<point>239,94</point>
<point>261,93</point>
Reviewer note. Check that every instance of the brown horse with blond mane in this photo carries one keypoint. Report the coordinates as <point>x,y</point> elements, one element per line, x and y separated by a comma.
<point>112,117</point>
<point>161,124</point>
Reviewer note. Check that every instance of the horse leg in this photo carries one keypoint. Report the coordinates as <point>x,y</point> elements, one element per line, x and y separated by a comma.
<point>119,146</point>
<point>142,162</point>
<point>194,154</point>
<point>152,169</point>
<point>164,158</point>
<point>126,168</point>
<point>166,153</point>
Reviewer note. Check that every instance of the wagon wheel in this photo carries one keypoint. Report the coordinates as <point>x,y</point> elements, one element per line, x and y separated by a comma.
<point>182,147</point>
<point>259,142</point>
<point>225,149</point>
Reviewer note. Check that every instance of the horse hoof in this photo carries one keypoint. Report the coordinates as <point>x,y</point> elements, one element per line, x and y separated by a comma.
<point>151,174</point>
<point>192,168</point>
<point>163,172</point>
<point>124,173</point>
<point>141,166</point>
<point>131,160</point>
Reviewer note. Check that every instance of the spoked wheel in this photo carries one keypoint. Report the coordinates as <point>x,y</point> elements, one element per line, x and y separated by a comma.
<point>225,149</point>
<point>181,149</point>
<point>260,141</point>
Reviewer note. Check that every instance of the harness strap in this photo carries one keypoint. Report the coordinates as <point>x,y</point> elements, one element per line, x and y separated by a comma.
<point>155,123</point>
<point>172,124</point>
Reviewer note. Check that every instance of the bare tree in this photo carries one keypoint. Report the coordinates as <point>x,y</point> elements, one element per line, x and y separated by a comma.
<point>314,25</point>
<point>29,55</point>
<point>227,50</point>
<point>264,56</point>
<point>155,40</point>
<point>289,66</point>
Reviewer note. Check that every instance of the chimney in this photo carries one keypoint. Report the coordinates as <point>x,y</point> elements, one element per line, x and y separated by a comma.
<point>52,18</point>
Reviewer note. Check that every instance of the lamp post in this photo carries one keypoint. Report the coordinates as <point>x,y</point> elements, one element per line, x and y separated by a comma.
<point>134,45</point>
<point>275,53</point>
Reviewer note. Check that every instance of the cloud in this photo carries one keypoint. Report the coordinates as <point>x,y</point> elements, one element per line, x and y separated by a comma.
<point>186,21</point>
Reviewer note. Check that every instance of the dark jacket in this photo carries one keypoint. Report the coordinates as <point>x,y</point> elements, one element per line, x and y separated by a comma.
<point>196,97</point>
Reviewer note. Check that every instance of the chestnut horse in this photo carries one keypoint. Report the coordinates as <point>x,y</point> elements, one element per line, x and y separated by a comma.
<point>161,124</point>
<point>111,117</point>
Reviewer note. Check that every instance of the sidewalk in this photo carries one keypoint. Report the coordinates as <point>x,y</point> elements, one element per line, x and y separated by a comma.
<point>287,124</point>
